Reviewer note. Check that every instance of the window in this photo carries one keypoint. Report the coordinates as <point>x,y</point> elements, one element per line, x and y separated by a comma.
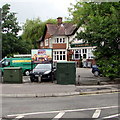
<point>57,40</point>
<point>63,40</point>
<point>41,44</point>
<point>84,53</point>
<point>46,42</point>
<point>59,55</point>
<point>77,54</point>
<point>6,63</point>
<point>60,40</point>
<point>84,50</point>
<point>90,53</point>
<point>84,56</point>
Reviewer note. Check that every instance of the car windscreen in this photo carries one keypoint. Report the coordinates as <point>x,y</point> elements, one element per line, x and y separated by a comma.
<point>43,66</point>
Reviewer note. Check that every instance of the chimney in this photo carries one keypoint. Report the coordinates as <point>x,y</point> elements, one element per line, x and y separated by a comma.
<point>59,20</point>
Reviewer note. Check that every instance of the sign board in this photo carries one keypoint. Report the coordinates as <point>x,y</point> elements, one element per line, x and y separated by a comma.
<point>81,45</point>
<point>41,55</point>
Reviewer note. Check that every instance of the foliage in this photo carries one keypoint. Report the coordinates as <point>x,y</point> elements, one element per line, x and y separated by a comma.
<point>53,21</point>
<point>102,25</point>
<point>33,30</point>
<point>11,43</point>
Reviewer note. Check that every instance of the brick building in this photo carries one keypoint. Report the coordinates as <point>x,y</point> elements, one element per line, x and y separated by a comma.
<point>61,37</point>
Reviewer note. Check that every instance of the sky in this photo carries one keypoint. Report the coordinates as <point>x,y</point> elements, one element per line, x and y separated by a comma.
<point>44,9</point>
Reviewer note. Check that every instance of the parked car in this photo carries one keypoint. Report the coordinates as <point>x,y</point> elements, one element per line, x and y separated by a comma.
<point>42,72</point>
<point>95,70</point>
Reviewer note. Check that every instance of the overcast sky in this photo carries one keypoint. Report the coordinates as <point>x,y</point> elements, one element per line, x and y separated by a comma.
<point>44,9</point>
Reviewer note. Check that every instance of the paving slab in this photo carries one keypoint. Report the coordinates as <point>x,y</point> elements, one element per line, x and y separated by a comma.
<point>88,84</point>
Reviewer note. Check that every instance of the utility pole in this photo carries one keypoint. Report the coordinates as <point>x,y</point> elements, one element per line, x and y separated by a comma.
<point>0,34</point>
<point>0,63</point>
<point>0,43</point>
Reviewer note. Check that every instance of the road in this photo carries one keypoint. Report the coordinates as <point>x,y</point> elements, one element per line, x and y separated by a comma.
<point>103,106</point>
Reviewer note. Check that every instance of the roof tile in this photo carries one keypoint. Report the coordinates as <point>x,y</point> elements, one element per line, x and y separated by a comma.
<point>63,29</point>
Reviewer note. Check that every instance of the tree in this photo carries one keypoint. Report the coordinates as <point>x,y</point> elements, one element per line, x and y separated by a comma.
<point>11,43</point>
<point>33,30</point>
<point>102,25</point>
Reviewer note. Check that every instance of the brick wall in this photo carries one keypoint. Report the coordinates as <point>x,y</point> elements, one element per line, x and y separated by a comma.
<point>59,46</point>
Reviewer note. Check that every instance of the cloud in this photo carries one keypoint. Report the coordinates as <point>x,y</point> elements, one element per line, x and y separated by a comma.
<point>44,9</point>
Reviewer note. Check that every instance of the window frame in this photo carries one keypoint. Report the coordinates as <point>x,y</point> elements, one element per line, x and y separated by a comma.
<point>60,40</point>
<point>79,54</point>
<point>46,42</point>
<point>59,55</point>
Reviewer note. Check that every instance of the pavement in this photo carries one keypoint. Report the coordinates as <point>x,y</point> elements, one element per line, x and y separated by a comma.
<point>54,90</point>
<point>86,84</point>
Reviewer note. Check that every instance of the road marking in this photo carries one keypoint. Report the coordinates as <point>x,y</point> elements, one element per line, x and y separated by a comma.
<point>96,113</point>
<point>35,113</point>
<point>75,110</point>
<point>58,116</point>
<point>116,115</point>
<point>20,116</point>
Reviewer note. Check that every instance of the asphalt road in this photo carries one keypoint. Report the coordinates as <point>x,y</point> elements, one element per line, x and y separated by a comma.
<point>104,106</point>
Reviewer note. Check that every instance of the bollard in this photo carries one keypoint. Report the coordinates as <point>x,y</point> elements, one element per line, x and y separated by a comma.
<point>1,76</point>
<point>98,82</point>
<point>39,78</point>
<point>78,80</point>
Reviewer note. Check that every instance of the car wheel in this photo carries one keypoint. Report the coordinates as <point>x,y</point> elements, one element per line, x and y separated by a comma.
<point>31,79</point>
<point>96,73</point>
<point>27,73</point>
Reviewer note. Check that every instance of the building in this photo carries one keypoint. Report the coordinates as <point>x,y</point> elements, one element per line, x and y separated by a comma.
<point>61,37</point>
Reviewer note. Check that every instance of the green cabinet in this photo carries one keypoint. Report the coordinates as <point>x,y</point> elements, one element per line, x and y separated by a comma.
<point>66,73</point>
<point>12,75</point>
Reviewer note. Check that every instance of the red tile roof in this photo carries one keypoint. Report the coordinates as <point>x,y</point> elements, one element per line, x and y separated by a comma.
<point>63,29</point>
